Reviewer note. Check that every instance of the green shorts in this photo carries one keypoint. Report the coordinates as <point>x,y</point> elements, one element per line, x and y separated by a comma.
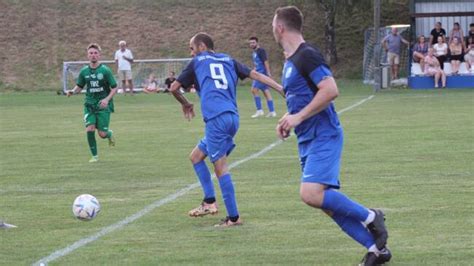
<point>100,118</point>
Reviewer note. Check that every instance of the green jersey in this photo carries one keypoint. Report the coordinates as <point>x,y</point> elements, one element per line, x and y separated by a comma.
<point>98,81</point>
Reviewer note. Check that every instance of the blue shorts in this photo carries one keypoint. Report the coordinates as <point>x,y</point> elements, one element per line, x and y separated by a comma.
<point>320,160</point>
<point>259,85</point>
<point>219,137</point>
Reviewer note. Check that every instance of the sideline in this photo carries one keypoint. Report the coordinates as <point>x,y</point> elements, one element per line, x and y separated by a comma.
<point>118,225</point>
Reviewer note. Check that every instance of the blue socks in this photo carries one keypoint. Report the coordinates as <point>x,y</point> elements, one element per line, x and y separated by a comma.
<point>205,179</point>
<point>228,194</point>
<point>354,229</point>
<point>270,106</point>
<point>340,204</point>
<point>258,102</point>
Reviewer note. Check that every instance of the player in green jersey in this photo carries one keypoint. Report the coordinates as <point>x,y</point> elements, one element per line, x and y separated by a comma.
<point>98,105</point>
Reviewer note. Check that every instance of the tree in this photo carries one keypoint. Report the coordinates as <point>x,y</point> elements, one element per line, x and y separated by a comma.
<point>341,9</point>
<point>330,51</point>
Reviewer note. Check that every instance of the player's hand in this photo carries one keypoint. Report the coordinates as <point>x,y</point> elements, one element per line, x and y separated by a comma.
<point>281,91</point>
<point>288,122</point>
<point>103,103</point>
<point>281,133</point>
<point>69,93</point>
<point>188,110</point>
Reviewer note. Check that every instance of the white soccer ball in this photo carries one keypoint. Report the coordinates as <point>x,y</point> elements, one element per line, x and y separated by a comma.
<point>85,207</point>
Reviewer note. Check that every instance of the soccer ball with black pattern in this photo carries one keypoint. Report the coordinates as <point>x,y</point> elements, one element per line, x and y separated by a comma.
<point>85,207</point>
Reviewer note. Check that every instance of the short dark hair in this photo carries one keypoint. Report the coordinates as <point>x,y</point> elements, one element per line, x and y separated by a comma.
<point>471,25</point>
<point>204,38</point>
<point>439,22</point>
<point>95,46</point>
<point>253,38</point>
<point>291,16</point>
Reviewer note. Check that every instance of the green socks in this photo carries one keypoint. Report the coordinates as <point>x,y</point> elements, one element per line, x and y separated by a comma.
<point>92,142</point>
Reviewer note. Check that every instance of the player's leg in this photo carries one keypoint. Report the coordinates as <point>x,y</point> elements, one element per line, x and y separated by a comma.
<point>220,132</point>
<point>228,193</point>
<point>320,178</point>
<point>257,99</point>
<point>208,205</point>
<point>103,121</point>
<point>90,121</point>
<point>271,108</point>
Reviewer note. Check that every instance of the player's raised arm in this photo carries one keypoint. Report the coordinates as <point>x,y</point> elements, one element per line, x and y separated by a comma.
<point>267,80</point>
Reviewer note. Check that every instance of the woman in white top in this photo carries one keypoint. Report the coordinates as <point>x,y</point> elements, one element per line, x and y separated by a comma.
<point>441,51</point>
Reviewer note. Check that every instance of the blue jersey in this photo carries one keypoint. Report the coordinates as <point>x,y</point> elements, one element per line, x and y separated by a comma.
<point>301,74</point>
<point>259,57</point>
<point>215,77</point>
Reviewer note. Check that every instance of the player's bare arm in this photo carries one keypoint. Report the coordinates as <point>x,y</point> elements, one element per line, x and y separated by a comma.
<point>267,67</point>
<point>75,90</point>
<point>267,80</point>
<point>327,92</point>
<point>105,102</point>
<point>188,108</point>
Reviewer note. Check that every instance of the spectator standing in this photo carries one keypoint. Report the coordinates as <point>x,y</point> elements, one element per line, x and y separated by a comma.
<point>437,32</point>
<point>124,60</point>
<point>392,44</point>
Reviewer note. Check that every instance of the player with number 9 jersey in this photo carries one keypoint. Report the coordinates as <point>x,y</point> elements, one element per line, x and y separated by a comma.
<point>215,77</point>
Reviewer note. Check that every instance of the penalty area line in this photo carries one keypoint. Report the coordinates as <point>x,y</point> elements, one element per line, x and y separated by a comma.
<point>118,225</point>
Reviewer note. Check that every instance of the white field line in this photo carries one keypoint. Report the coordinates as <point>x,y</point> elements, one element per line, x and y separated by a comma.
<point>118,225</point>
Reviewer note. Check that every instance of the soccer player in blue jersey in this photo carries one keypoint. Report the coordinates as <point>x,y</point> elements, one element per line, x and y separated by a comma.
<point>215,76</point>
<point>260,60</point>
<point>310,90</point>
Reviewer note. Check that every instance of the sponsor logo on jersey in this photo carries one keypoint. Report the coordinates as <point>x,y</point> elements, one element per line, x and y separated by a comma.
<point>96,89</point>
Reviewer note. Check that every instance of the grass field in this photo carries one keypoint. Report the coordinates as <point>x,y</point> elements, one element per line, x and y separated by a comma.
<point>407,152</point>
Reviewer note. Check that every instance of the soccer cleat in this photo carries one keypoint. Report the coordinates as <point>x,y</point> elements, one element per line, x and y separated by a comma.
<point>258,114</point>
<point>4,225</point>
<point>226,222</point>
<point>271,114</point>
<point>378,230</point>
<point>372,259</point>
<point>204,209</point>
<point>94,159</point>
<point>111,140</point>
